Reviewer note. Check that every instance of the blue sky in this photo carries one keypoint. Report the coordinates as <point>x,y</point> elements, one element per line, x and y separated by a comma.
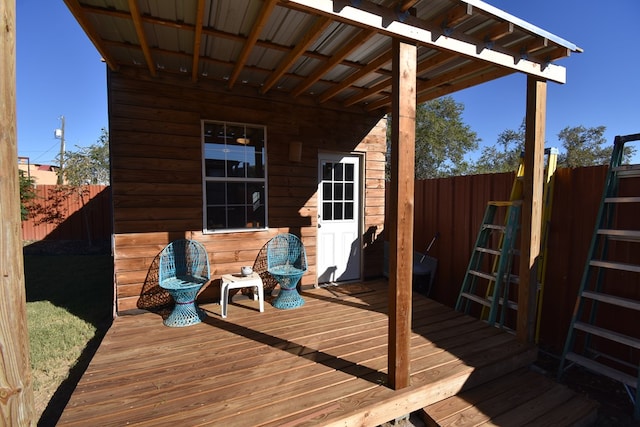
<point>59,73</point>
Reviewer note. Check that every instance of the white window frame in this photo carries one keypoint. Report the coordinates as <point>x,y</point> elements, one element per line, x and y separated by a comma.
<point>208,179</point>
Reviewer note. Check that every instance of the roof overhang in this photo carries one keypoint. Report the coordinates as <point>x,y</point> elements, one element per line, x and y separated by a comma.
<point>331,50</point>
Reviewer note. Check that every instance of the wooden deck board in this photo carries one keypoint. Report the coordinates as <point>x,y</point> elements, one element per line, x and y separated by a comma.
<point>322,364</point>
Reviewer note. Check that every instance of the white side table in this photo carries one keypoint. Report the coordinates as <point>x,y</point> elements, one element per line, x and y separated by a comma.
<point>238,281</point>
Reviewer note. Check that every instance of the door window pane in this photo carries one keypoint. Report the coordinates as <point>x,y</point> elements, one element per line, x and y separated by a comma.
<point>337,210</point>
<point>348,210</point>
<point>337,192</point>
<point>348,172</point>
<point>327,193</point>
<point>327,211</point>
<point>348,191</point>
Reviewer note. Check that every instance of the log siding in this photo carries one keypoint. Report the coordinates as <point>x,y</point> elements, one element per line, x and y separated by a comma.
<point>155,139</point>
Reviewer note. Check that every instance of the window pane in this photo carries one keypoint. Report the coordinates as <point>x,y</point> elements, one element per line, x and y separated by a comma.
<point>338,175</point>
<point>326,171</point>
<point>255,195</point>
<point>337,210</point>
<point>337,192</point>
<point>327,211</point>
<point>348,191</point>
<point>216,218</point>
<point>214,167</point>
<point>327,194</point>
<point>256,214</point>
<point>236,217</point>
<point>236,193</point>
<point>348,172</point>
<point>235,161</point>
<point>215,193</point>
<point>214,133</point>
<point>348,210</point>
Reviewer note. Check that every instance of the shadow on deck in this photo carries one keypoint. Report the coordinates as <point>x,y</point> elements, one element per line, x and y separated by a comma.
<point>322,364</point>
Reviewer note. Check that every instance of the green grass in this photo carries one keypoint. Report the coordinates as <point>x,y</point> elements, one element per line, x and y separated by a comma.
<point>69,306</point>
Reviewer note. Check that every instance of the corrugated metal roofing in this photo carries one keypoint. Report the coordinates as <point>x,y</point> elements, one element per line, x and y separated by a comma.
<point>315,48</point>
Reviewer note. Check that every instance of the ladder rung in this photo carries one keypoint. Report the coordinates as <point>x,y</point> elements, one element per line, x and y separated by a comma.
<point>608,334</point>
<point>477,299</point>
<point>622,200</point>
<point>605,370</point>
<point>503,203</point>
<point>494,227</point>
<point>483,275</point>
<point>622,235</point>
<point>488,250</point>
<point>616,265</point>
<point>627,171</point>
<point>512,305</point>
<point>612,299</point>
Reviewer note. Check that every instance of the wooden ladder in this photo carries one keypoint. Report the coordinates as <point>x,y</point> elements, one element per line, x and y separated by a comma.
<point>611,349</point>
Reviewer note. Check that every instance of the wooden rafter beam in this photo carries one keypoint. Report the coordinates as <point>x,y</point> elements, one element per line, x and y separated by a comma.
<point>256,30</point>
<point>197,40</point>
<point>423,67</point>
<point>205,31</point>
<point>457,15</point>
<point>299,49</point>
<point>337,58</point>
<point>78,12</point>
<point>405,5</point>
<point>432,89</point>
<point>372,15</point>
<point>373,90</point>
<point>536,45</point>
<point>353,78</point>
<point>499,31</point>
<point>142,38</point>
<point>465,82</point>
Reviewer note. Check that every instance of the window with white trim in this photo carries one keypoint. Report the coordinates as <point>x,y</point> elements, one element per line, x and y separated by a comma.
<point>234,176</point>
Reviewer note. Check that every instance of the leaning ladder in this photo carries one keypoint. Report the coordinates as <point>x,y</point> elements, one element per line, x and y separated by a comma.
<point>510,291</point>
<point>477,282</point>
<point>504,303</point>
<point>611,349</point>
<point>506,297</point>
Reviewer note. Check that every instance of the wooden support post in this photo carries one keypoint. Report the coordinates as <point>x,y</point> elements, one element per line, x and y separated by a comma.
<point>403,135</point>
<point>16,393</point>
<point>531,207</point>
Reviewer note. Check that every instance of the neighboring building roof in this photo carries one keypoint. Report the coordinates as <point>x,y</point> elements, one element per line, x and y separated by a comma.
<point>331,50</point>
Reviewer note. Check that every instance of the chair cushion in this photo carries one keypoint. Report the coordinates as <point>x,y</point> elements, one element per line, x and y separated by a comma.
<point>182,282</point>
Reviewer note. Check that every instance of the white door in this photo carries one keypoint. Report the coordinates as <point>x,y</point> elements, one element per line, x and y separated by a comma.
<point>339,237</point>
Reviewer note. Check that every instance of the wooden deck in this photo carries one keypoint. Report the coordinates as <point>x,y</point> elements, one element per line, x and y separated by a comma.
<point>322,364</point>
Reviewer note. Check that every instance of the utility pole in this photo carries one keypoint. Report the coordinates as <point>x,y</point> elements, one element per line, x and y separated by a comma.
<point>59,133</point>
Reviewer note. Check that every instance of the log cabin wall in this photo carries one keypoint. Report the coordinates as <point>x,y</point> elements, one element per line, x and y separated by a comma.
<point>156,170</point>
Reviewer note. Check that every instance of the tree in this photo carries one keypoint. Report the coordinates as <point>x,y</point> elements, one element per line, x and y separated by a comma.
<point>442,139</point>
<point>88,165</point>
<point>27,194</point>
<point>584,147</point>
<point>493,160</point>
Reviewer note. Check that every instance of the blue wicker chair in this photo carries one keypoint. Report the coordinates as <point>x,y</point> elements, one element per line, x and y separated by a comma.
<point>287,263</point>
<point>184,269</point>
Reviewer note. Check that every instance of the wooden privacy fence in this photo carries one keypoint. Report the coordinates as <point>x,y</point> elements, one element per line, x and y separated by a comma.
<point>60,212</point>
<point>454,208</point>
